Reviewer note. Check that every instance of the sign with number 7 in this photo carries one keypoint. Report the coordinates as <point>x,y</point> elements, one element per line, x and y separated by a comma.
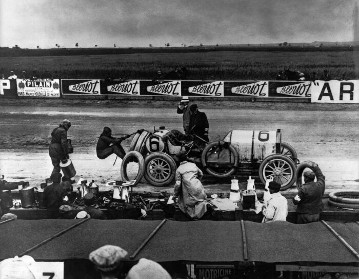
<point>48,270</point>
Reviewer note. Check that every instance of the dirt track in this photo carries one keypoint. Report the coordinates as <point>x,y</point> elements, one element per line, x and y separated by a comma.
<point>323,133</point>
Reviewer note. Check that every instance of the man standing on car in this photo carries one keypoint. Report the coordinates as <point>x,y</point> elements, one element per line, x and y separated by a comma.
<point>58,149</point>
<point>183,108</point>
<point>309,198</point>
<point>198,125</point>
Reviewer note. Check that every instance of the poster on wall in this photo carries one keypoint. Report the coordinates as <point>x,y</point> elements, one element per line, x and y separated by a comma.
<point>128,87</point>
<point>38,88</point>
<point>81,86</point>
<point>8,88</point>
<point>203,88</point>
<point>246,88</point>
<point>288,89</point>
<point>171,88</point>
<point>335,91</point>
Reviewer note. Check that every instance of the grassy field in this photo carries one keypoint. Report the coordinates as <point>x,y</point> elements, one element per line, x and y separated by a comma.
<point>220,65</point>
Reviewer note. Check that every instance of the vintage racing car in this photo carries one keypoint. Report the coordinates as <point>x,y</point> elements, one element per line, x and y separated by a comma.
<point>241,152</point>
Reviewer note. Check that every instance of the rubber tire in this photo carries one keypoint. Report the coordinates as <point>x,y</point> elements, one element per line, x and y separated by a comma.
<point>300,170</point>
<point>281,157</point>
<point>335,197</point>
<point>134,141</point>
<point>130,157</point>
<point>291,149</point>
<point>170,162</point>
<point>214,173</point>
<point>347,205</point>
<point>138,142</point>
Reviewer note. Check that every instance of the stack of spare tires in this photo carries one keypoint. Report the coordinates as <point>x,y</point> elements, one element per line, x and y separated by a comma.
<point>344,199</point>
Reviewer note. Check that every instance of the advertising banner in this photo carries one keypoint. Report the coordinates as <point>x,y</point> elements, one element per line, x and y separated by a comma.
<point>49,88</point>
<point>161,88</point>
<point>335,91</point>
<point>203,88</point>
<point>8,88</point>
<point>297,89</point>
<point>81,86</point>
<point>246,88</point>
<point>215,271</point>
<point>129,87</point>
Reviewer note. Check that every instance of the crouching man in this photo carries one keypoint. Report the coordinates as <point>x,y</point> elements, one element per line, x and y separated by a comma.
<point>189,189</point>
<point>275,207</point>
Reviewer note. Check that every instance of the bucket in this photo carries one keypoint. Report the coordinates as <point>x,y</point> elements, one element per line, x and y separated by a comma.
<point>234,194</point>
<point>68,168</point>
<point>6,199</point>
<point>27,197</point>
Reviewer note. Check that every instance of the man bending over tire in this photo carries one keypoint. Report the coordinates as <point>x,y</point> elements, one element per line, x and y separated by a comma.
<point>107,145</point>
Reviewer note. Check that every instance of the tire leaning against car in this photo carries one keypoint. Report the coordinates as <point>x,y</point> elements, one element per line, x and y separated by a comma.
<point>133,156</point>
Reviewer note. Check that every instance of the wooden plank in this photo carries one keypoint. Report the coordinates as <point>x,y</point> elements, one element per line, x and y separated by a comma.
<point>341,239</point>
<point>318,268</point>
<point>244,240</point>
<point>144,243</point>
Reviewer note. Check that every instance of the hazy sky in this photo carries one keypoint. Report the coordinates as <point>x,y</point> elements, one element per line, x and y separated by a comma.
<point>29,23</point>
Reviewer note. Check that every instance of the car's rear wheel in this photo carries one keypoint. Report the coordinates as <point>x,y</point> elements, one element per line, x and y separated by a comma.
<point>280,168</point>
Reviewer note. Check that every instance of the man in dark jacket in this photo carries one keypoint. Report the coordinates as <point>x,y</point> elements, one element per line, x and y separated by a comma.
<point>183,108</point>
<point>309,198</point>
<point>107,145</point>
<point>58,149</point>
<point>54,195</point>
<point>198,125</point>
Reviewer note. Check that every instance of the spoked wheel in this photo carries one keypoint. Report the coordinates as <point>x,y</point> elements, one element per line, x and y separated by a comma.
<point>160,169</point>
<point>220,159</point>
<point>281,168</point>
<point>287,150</point>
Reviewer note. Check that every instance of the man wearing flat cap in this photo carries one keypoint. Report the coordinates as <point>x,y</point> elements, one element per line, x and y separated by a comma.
<point>276,207</point>
<point>183,108</point>
<point>309,198</point>
<point>58,149</point>
<point>108,260</point>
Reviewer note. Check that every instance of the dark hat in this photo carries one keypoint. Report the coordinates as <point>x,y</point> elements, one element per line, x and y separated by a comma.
<point>193,107</point>
<point>108,257</point>
<point>309,174</point>
<point>107,130</point>
<point>274,186</point>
